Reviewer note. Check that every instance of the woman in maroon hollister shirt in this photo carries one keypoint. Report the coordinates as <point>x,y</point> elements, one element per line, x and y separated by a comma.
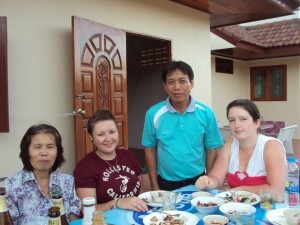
<point>108,174</point>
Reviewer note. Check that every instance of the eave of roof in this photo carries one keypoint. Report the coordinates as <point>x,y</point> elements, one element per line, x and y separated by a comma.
<point>261,41</point>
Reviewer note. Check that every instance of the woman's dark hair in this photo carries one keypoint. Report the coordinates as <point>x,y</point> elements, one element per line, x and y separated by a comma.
<point>180,65</point>
<point>26,141</point>
<point>246,104</point>
<point>99,115</point>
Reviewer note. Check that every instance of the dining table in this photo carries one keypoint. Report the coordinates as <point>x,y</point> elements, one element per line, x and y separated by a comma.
<point>129,217</point>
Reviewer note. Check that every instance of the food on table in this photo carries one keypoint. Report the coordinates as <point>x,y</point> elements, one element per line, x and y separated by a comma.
<point>209,204</point>
<point>168,220</point>
<point>154,219</point>
<point>241,198</point>
<point>240,212</point>
<point>156,197</point>
<point>215,223</point>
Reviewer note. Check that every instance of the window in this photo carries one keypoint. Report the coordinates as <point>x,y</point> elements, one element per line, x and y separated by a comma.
<point>268,83</point>
<point>224,65</point>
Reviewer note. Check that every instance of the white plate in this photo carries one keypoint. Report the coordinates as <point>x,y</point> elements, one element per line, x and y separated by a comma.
<point>243,193</point>
<point>147,196</point>
<point>276,217</point>
<point>189,218</point>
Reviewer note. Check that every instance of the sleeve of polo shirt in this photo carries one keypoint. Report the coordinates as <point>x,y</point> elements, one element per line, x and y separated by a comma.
<point>213,138</point>
<point>149,137</point>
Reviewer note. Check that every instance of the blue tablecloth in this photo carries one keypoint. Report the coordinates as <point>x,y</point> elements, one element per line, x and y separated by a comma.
<point>128,217</point>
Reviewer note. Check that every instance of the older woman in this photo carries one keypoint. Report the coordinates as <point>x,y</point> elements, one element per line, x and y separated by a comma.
<point>249,160</point>
<point>28,192</point>
<point>109,174</point>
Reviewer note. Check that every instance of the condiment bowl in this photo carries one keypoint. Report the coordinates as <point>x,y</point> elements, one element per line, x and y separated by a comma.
<point>207,205</point>
<point>201,193</point>
<point>229,209</point>
<point>215,219</point>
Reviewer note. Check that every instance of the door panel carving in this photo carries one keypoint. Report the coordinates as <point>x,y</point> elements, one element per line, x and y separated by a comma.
<point>99,78</point>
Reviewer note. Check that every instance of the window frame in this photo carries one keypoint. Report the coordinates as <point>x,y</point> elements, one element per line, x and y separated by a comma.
<point>223,65</point>
<point>268,88</point>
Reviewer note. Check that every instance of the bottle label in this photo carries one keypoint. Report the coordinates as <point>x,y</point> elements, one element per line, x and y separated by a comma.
<point>59,203</point>
<point>3,206</point>
<point>54,221</point>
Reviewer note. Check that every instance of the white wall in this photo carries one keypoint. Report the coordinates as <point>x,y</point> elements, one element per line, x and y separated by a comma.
<point>227,87</point>
<point>40,58</point>
<point>283,110</point>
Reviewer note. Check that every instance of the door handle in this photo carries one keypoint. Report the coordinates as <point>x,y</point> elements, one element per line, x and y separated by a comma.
<point>79,96</point>
<point>79,112</point>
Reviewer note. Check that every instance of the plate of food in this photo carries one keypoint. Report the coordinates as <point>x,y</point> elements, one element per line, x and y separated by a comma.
<point>239,196</point>
<point>276,217</point>
<point>154,198</point>
<point>170,217</point>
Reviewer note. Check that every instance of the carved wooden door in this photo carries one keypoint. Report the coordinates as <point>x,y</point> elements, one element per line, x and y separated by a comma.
<point>99,79</point>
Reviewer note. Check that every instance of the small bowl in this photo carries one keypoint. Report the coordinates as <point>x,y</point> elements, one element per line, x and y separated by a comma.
<point>292,215</point>
<point>229,209</point>
<point>205,210</point>
<point>201,193</point>
<point>215,219</point>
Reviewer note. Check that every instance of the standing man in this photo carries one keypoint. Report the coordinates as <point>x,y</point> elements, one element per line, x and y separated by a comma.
<point>181,135</point>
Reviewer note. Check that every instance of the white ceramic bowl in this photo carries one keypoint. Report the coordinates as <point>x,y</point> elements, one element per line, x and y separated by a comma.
<point>205,210</point>
<point>229,209</point>
<point>201,193</point>
<point>215,219</point>
<point>292,215</point>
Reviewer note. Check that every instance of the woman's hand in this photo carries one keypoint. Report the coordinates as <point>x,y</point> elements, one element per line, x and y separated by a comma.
<point>204,182</point>
<point>133,203</point>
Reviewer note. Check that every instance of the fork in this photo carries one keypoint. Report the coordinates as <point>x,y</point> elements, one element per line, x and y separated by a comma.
<point>159,211</point>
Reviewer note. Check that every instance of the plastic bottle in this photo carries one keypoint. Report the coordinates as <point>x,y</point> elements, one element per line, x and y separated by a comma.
<point>5,218</point>
<point>291,198</point>
<point>57,201</point>
<point>88,210</point>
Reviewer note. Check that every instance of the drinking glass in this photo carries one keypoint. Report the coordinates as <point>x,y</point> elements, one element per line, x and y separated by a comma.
<point>266,199</point>
<point>245,218</point>
<point>169,200</point>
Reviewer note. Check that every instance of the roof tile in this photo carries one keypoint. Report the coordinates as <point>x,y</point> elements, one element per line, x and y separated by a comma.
<point>275,34</point>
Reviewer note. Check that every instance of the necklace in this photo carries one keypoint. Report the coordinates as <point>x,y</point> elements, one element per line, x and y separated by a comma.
<point>113,167</point>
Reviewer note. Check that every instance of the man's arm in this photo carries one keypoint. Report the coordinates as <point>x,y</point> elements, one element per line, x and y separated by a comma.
<point>211,156</point>
<point>150,160</point>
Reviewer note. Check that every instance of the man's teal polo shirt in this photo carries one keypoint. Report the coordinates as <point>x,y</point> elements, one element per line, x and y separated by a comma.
<point>181,139</point>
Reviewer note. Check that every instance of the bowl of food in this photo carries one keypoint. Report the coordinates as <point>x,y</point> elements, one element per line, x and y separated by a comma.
<point>230,209</point>
<point>215,219</point>
<point>207,205</point>
<point>201,194</point>
<point>292,215</point>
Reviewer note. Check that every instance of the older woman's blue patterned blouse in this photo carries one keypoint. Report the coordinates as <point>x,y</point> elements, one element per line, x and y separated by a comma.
<point>25,200</point>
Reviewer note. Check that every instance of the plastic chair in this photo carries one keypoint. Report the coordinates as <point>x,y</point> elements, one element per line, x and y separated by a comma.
<point>274,130</point>
<point>286,137</point>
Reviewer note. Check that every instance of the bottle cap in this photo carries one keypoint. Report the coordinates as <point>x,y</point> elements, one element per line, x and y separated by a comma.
<point>56,192</point>
<point>291,159</point>
<point>88,201</point>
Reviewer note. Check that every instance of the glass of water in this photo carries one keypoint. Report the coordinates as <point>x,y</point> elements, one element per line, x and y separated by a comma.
<point>169,200</point>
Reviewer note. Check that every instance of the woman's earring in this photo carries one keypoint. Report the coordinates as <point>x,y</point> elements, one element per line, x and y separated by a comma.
<point>93,141</point>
